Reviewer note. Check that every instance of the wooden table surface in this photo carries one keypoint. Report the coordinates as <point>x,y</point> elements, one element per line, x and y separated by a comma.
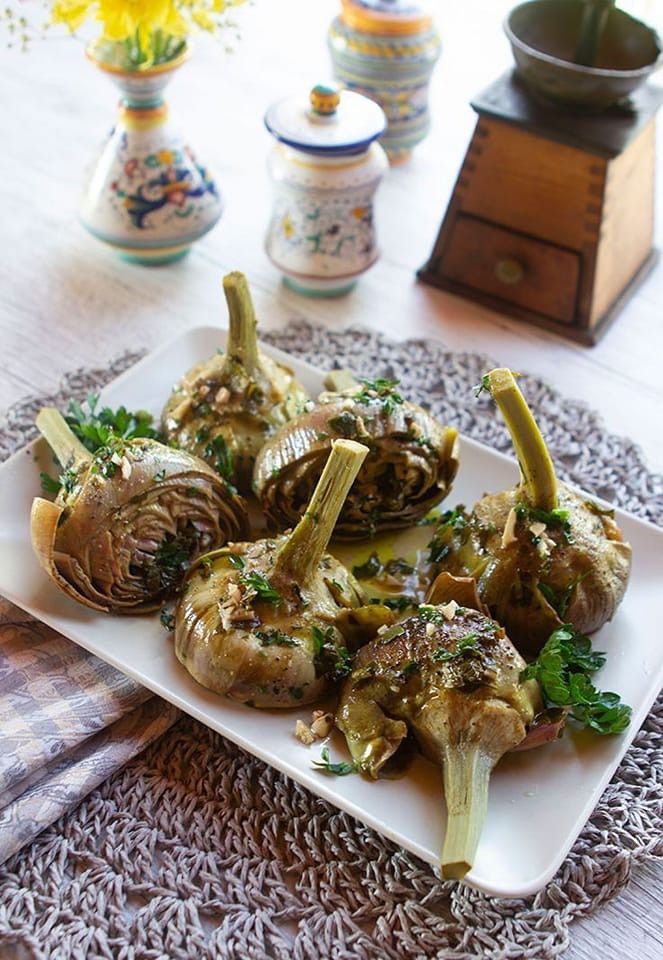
<point>66,301</point>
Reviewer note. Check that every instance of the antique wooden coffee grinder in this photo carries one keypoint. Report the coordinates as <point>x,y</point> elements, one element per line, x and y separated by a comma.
<point>551,217</point>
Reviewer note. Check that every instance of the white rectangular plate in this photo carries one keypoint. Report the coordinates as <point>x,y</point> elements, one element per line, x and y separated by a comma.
<point>539,800</point>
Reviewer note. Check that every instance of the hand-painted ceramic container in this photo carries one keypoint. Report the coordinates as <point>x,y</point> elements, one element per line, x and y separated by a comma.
<point>326,167</point>
<point>386,49</point>
<point>148,195</point>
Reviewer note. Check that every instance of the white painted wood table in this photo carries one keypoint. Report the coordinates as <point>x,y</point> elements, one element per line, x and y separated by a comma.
<point>65,301</point>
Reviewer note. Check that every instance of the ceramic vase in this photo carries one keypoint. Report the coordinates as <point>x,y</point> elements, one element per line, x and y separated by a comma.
<point>148,195</point>
<point>386,50</point>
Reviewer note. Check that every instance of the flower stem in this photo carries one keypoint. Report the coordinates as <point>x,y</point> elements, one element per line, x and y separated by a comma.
<point>299,557</point>
<point>65,445</point>
<point>536,467</point>
<point>242,339</point>
<point>466,775</point>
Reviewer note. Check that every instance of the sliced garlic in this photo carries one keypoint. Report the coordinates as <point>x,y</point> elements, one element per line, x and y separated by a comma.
<point>509,534</point>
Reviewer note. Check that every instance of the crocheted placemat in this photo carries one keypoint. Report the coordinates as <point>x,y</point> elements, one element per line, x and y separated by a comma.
<point>198,850</point>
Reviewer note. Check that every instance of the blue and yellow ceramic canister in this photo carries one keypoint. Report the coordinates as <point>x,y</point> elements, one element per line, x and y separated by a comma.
<point>386,50</point>
<point>325,167</point>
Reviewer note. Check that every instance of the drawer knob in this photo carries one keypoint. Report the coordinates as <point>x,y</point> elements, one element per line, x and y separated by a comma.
<point>509,271</point>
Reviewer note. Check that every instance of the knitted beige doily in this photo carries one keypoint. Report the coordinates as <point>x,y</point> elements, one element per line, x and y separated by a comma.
<point>198,850</point>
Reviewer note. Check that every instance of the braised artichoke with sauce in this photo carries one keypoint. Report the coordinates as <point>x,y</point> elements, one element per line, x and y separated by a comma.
<point>542,554</point>
<point>224,409</point>
<point>128,519</point>
<point>273,623</point>
<point>410,466</point>
<point>450,676</point>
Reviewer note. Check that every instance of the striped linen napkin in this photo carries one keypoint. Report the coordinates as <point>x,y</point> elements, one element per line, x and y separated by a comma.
<point>67,722</point>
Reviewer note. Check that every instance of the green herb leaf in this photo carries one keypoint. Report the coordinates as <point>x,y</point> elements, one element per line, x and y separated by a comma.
<point>340,769</point>
<point>261,585</point>
<point>451,522</point>
<point>221,456</point>
<point>236,561</point>
<point>94,428</point>
<point>167,618</point>
<point>563,668</point>
<point>560,600</point>
<point>271,638</point>
<point>553,519</point>
<point>370,568</point>
<point>382,390</point>
<point>49,484</point>
<point>484,385</point>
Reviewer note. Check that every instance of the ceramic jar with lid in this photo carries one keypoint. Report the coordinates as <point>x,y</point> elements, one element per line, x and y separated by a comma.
<point>325,167</point>
<point>387,49</point>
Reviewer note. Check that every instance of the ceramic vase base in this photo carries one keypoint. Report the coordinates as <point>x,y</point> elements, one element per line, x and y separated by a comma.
<point>397,157</point>
<point>153,258</point>
<point>319,288</point>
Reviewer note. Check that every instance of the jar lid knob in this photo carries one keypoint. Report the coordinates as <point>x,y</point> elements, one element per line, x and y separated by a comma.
<point>324,99</point>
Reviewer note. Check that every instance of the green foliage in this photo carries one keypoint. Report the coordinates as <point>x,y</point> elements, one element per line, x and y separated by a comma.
<point>340,769</point>
<point>261,586</point>
<point>94,428</point>
<point>563,668</point>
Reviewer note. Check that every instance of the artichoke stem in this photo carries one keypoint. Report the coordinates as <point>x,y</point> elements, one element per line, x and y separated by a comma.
<point>65,445</point>
<point>339,380</point>
<point>536,467</point>
<point>242,339</point>
<point>466,777</point>
<point>299,557</point>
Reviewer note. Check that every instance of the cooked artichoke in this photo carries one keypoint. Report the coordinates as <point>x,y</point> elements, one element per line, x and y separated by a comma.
<point>224,409</point>
<point>450,675</point>
<point>542,554</point>
<point>270,622</point>
<point>411,464</point>
<point>128,519</point>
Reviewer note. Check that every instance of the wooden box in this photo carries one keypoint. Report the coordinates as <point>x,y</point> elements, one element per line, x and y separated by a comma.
<point>551,218</point>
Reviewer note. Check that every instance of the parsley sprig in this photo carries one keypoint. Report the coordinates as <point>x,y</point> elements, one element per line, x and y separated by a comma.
<point>261,586</point>
<point>94,427</point>
<point>380,389</point>
<point>340,769</point>
<point>563,668</point>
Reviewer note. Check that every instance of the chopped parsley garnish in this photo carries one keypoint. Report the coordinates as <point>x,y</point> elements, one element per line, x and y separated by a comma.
<point>49,484</point>
<point>402,602</point>
<point>466,644</point>
<point>382,390</point>
<point>412,667</point>
<point>329,659</point>
<point>563,668</point>
<point>108,458</point>
<point>261,586</point>
<point>271,638</point>
<point>370,568</point>
<point>340,769</point>
<point>167,618</point>
<point>557,519</point>
<point>344,423</point>
<point>450,523</point>
<point>202,433</point>
<point>236,561</point>
<point>484,385</point>
<point>431,614</point>
<point>170,561</point>
<point>94,428</point>
<point>560,600</point>
<point>221,457</point>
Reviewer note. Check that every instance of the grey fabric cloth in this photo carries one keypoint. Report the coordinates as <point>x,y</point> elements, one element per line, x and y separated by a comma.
<point>195,849</point>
